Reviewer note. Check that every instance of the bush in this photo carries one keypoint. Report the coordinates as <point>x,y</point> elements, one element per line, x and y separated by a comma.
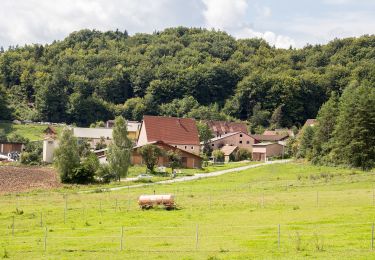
<point>104,173</point>
<point>218,155</point>
<point>242,154</point>
<point>32,154</point>
<point>82,175</point>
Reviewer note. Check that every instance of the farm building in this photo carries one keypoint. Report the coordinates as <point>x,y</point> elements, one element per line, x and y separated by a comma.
<point>50,131</point>
<point>8,147</point>
<point>240,139</point>
<point>262,151</point>
<point>49,146</point>
<point>134,128</point>
<point>280,131</point>
<point>182,133</point>
<point>220,128</point>
<point>189,160</point>
<point>278,138</point>
<point>228,150</point>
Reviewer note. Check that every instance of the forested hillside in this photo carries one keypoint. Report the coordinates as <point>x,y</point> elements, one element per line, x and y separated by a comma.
<point>92,76</point>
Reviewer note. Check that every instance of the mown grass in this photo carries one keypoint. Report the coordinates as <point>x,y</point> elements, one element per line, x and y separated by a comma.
<point>323,212</point>
<point>33,132</point>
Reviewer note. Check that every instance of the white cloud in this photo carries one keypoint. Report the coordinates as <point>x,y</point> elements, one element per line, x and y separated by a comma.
<point>230,15</point>
<point>41,21</point>
<point>280,41</point>
<point>334,25</point>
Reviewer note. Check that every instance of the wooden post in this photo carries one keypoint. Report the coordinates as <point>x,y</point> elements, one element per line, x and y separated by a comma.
<point>12,225</point>
<point>45,239</point>
<point>372,237</point>
<point>121,238</point>
<point>278,236</point>
<point>196,237</point>
<point>65,208</point>
<point>101,212</point>
<point>41,219</point>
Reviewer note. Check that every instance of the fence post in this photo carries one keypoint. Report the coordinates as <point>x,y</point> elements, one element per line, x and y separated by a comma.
<point>121,238</point>
<point>12,225</point>
<point>45,239</point>
<point>116,206</point>
<point>196,237</point>
<point>278,236</point>
<point>65,208</point>
<point>372,237</point>
<point>317,198</point>
<point>41,219</point>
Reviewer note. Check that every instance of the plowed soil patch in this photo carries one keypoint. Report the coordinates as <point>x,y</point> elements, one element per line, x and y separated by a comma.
<point>20,179</point>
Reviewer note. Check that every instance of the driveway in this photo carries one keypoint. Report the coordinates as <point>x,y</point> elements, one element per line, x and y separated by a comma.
<point>197,176</point>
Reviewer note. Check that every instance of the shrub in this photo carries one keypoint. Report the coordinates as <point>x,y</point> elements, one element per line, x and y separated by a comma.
<point>82,175</point>
<point>242,154</point>
<point>104,173</point>
<point>218,155</point>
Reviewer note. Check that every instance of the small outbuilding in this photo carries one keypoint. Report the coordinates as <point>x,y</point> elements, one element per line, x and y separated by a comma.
<point>9,147</point>
<point>228,150</point>
<point>189,160</point>
<point>262,151</point>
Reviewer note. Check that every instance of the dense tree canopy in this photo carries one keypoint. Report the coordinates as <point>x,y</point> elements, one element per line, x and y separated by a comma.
<point>91,76</point>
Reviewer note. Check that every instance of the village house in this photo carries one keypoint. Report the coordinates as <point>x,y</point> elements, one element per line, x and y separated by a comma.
<point>274,138</point>
<point>182,133</point>
<point>239,139</point>
<point>220,128</point>
<point>265,150</point>
<point>133,127</point>
<point>280,131</point>
<point>188,159</point>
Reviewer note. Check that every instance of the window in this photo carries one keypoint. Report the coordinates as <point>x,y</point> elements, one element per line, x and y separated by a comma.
<point>240,135</point>
<point>212,144</point>
<point>240,142</point>
<point>185,147</point>
<point>247,142</point>
<point>192,148</point>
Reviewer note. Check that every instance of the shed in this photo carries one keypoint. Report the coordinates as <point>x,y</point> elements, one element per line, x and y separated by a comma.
<point>228,150</point>
<point>262,151</point>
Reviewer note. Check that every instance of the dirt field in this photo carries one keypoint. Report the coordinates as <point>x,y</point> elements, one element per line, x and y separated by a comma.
<point>20,179</point>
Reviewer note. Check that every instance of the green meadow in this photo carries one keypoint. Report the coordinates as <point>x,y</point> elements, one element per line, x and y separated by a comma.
<point>280,211</point>
<point>33,132</point>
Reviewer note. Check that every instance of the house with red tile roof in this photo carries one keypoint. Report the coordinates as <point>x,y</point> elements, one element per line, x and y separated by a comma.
<point>181,133</point>
<point>220,128</point>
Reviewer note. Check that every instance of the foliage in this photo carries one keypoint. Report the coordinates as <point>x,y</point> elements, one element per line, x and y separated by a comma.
<point>105,174</point>
<point>174,159</point>
<point>17,138</point>
<point>218,155</point>
<point>91,76</point>
<point>150,154</point>
<point>85,172</point>
<point>242,154</point>
<point>32,155</point>
<point>66,155</point>
<point>120,150</point>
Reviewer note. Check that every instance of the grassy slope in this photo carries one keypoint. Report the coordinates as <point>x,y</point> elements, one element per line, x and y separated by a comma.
<point>33,132</point>
<point>238,215</point>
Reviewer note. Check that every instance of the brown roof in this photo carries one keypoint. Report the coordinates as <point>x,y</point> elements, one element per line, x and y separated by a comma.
<point>228,149</point>
<point>273,138</point>
<point>161,144</point>
<point>222,127</point>
<point>50,129</point>
<point>171,130</point>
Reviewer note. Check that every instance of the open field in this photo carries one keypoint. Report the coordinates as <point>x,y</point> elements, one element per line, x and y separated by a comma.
<point>20,179</point>
<point>323,213</point>
<point>33,132</point>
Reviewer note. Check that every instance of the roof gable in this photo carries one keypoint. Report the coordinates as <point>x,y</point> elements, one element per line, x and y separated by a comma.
<point>171,130</point>
<point>223,127</point>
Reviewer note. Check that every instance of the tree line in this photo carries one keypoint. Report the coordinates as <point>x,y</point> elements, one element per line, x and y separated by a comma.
<point>187,72</point>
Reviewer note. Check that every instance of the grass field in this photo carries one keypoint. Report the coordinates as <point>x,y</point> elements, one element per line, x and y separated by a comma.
<point>33,132</point>
<point>323,212</point>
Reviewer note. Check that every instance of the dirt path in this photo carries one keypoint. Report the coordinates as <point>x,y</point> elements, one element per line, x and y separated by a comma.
<point>196,176</point>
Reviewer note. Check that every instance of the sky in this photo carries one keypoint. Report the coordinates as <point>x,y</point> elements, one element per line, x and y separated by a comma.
<point>282,23</point>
